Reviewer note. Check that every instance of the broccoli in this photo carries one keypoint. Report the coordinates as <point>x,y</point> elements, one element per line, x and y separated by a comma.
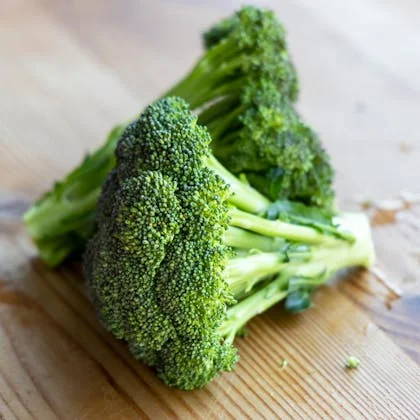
<point>248,46</point>
<point>243,88</point>
<point>261,136</point>
<point>186,254</point>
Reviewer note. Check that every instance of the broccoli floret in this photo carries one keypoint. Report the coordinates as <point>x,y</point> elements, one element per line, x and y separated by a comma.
<point>182,261</point>
<point>250,45</point>
<point>263,137</point>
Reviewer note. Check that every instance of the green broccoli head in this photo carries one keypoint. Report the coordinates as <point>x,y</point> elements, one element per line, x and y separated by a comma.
<point>155,275</point>
<point>246,84</point>
<point>250,45</point>
<point>263,137</point>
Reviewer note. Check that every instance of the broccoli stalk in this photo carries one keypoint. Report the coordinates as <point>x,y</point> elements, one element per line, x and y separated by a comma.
<point>244,197</point>
<point>297,278</point>
<point>181,260</point>
<point>62,220</point>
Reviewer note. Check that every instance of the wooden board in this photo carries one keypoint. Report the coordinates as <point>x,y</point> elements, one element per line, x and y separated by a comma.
<point>69,70</point>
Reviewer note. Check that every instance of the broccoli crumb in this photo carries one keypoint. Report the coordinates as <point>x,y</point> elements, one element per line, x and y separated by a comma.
<point>352,362</point>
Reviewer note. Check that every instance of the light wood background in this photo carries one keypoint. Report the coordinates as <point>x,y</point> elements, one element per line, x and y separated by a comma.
<point>70,69</point>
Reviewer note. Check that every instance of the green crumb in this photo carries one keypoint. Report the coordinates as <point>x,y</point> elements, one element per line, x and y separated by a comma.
<point>352,362</point>
<point>284,364</point>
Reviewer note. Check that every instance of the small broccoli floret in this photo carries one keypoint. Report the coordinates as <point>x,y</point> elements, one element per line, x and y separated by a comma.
<point>180,264</point>
<point>263,137</point>
<point>250,45</point>
<point>189,364</point>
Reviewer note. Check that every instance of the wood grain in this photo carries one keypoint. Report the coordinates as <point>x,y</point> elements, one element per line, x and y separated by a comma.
<point>68,71</point>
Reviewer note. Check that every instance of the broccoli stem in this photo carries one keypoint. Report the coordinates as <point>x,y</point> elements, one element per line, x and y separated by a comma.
<point>68,211</point>
<point>243,239</point>
<point>218,85</point>
<point>55,249</point>
<point>324,262</point>
<point>209,78</point>
<point>292,232</point>
<point>244,196</point>
<point>244,272</point>
<point>217,110</point>
<point>73,200</point>
<point>218,127</point>
<point>239,314</point>
<point>42,223</point>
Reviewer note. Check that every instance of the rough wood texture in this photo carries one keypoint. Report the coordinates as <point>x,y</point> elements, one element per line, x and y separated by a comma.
<point>69,70</point>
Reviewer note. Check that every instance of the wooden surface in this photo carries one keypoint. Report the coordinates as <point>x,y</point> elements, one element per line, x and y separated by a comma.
<point>70,69</point>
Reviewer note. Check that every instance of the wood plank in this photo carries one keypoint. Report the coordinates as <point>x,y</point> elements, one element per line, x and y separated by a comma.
<point>46,125</point>
<point>385,33</point>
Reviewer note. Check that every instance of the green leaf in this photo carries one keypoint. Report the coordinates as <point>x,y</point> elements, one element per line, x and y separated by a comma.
<point>317,218</point>
<point>298,301</point>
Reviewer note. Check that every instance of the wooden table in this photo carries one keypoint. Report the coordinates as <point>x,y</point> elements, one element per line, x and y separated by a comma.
<point>70,69</point>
